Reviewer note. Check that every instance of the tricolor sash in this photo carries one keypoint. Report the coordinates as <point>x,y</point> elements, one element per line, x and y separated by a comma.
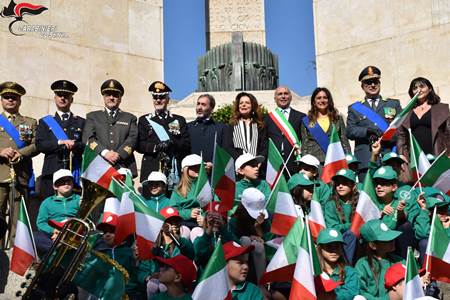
<point>318,134</point>
<point>55,128</point>
<point>60,134</point>
<point>158,129</point>
<point>12,131</point>
<point>375,118</point>
<point>286,128</point>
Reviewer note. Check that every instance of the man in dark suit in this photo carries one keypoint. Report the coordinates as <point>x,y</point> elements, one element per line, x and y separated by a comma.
<point>204,130</point>
<point>163,137</point>
<point>63,150</point>
<point>111,132</point>
<point>283,98</point>
<point>362,125</point>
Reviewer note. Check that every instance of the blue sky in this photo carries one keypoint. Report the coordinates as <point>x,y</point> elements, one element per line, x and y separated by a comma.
<point>289,34</point>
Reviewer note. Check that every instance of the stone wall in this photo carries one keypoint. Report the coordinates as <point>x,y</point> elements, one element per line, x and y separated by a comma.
<point>121,39</point>
<point>404,38</point>
<point>226,16</point>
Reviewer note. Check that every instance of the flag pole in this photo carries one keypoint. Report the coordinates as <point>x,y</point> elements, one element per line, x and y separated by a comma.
<point>212,170</point>
<point>427,263</point>
<point>28,220</point>
<point>278,179</point>
<point>415,160</point>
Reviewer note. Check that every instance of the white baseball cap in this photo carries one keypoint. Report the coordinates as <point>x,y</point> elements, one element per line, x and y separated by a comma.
<point>156,176</point>
<point>245,158</point>
<point>310,160</point>
<point>254,202</point>
<point>61,173</point>
<point>191,160</point>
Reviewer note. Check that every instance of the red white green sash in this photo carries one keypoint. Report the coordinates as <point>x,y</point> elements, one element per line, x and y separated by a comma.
<point>286,128</point>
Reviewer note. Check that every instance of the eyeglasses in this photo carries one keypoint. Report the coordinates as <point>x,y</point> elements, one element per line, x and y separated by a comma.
<point>371,81</point>
<point>10,97</point>
<point>159,97</point>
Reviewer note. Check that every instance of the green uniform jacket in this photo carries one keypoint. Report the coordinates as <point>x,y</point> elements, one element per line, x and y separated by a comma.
<point>350,288</point>
<point>184,205</point>
<point>422,225</point>
<point>323,191</point>
<point>332,218</point>
<point>246,291</point>
<point>243,184</point>
<point>58,209</point>
<point>371,288</point>
<point>157,203</point>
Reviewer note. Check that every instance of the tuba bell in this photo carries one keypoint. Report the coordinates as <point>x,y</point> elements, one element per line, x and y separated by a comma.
<point>65,257</point>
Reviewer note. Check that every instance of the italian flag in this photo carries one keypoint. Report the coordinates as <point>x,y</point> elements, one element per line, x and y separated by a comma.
<point>24,251</point>
<point>148,226</point>
<point>438,175</point>
<point>419,163</point>
<point>316,219</point>
<point>203,191</point>
<point>437,258</point>
<point>307,267</point>
<point>274,163</point>
<point>224,177</point>
<point>94,168</point>
<point>335,157</point>
<point>286,128</point>
<point>282,265</point>
<point>126,224</point>
<point>112,204</point>
<point>366,209</point>
<point>392,129</point>
<point>413,284</point>
<point>213,283</point>
<point>281,205</point>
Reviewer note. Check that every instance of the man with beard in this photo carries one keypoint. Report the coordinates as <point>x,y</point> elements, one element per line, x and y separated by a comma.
<point>204,131</point>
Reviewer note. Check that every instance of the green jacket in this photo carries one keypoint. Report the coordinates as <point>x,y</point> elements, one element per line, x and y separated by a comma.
<point>323,191</point>
<point>422,225</point>
<point>184,205</point>
<point>157,203</point>
<point>332,218</point>
<point>165,296</point>
<point>350,287</point>
<point>58,209</point>
<point>373,288</point>
<point>246,291</point>
<point>243,184</point>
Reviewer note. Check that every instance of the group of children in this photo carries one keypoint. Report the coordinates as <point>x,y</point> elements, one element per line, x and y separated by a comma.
<point>362,266</point>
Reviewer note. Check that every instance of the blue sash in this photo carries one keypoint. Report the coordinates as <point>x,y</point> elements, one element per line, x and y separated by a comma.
<point>12,132</point>
<point>375,118</point>
<point>55,128</point>
<point>159,130</point>
<point>60,134</point>
<point>318,134</point>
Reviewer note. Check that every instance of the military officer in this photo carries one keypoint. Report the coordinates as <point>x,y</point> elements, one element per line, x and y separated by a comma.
<point>163,137</point>
<point>59,137</point>
<point>17,147</point>
<point>368,118</point>
<point>111,132</point>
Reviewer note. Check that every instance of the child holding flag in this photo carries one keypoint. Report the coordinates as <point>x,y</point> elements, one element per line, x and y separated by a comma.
<point>154,191</point>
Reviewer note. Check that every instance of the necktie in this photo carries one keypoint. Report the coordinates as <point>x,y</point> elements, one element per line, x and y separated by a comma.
<point>373,103</point>
<point>65,116</point>
<point>11,118</point>
<point>112,113</point>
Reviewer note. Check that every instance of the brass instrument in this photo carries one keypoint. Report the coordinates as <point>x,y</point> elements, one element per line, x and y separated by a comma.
<point>65,257</point>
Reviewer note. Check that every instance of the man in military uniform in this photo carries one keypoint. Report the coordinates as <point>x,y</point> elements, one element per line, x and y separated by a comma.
<point>59,138</point>
<point>111,132</point>
<point>17,147</point>
<point>163,137</point>
<point>368,118</point>
<point>278,131</point>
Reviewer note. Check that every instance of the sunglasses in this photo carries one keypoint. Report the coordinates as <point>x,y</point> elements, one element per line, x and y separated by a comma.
<point>10,97</point>
<point>159,97</point>
<point>371,81</point>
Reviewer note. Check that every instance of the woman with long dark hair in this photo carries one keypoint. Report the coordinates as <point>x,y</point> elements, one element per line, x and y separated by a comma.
<point>316,126</point>
<point>429,121</point>
<point>246,132</point>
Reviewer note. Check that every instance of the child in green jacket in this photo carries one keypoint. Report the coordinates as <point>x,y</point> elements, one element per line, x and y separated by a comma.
<point>154,189</point>
<point>302,190</point>
<point>309,165</point>
<point>331,255</point>
<point>338,211</point>
<point>371,268</point>
<point>59,207</point>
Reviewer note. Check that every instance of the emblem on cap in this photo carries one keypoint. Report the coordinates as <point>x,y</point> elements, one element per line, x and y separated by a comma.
<point>333,233</point>
<point>108,219</point>
<point>381,170</point>
<point>383,227</point>
<point>170,210</point>
<point>236,244</point>
<point>341,172</point>
<point>159,86</point>
<point>348,157</point>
